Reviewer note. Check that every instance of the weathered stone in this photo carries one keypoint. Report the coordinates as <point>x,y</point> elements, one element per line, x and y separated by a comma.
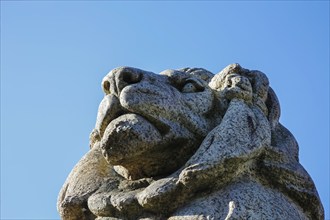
<point>187,144</point>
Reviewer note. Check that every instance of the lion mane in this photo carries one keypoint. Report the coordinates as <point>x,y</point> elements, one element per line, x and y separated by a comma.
<point>187,144</point>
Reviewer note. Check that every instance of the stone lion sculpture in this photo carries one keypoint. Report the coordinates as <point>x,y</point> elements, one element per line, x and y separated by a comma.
<point>187,144</point>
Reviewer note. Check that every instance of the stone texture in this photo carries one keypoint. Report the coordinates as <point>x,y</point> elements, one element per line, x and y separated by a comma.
<point>187,144</point>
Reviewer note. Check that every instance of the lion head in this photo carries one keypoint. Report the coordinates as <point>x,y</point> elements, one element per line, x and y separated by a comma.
<point>148,124</point>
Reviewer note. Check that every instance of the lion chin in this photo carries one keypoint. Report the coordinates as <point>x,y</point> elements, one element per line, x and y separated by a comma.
<point>187,144</point>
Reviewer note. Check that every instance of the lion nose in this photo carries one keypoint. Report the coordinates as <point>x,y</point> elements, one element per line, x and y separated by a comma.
<point>119,78</point>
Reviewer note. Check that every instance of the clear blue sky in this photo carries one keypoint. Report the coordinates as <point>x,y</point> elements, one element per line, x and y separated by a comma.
<point>54,55</point>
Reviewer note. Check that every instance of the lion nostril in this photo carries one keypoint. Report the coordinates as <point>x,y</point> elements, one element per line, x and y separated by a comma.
<point>130,77</point>
<point>106,87</point>
<point>127,76</point>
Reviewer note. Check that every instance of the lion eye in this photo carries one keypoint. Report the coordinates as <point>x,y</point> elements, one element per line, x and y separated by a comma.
<point>192,86</point>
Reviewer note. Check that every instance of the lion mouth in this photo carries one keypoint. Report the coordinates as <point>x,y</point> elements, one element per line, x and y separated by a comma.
<point>110,110</point>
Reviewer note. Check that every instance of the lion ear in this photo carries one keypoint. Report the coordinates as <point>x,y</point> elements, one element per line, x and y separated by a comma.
<point>274,109</point>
